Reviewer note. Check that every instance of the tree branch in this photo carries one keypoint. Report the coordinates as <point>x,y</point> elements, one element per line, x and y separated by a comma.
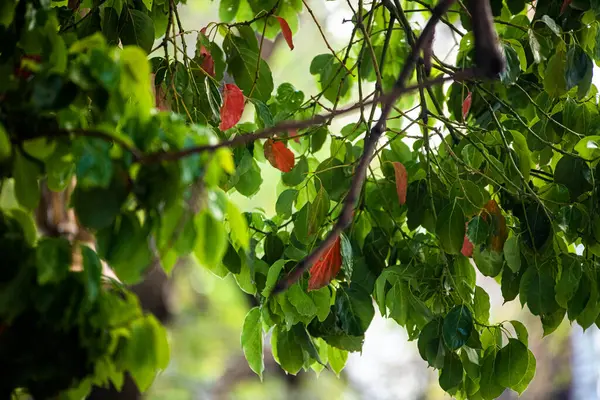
<point>290,125</point>
<point>370,142</point>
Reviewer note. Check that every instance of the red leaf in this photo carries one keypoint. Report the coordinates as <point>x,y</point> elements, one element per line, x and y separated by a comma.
<point>401,181</point>
<point>467,248</point>
<point>22,71</point>
<point>294,134</point>
<point>279,156</point>
<point>208,63</point>
<point>466,106</point>
<point>286,31</point>
<point>233,106</point>
<point>564,6</point>
<point>328,266</point>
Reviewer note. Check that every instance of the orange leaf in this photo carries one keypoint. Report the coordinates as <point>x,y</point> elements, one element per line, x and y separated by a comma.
<point>466,106</point>
<point>286,31</point>
<point>233,106</point>
<point>327,268</point>
<point>498,223</point>
<point>401,181</point>
<point>279,156</point>
<point>564,6</point>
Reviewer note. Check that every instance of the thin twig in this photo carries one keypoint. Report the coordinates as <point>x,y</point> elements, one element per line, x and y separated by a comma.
<point>370,143</point>
<point>310,11</point>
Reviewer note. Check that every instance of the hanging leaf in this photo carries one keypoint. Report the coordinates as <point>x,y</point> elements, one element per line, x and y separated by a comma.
<point>457,327</point>
<point>279,156</point>
<point>401,181</point>
<point>511,363</point>
<point>327,267</point>
<point>466,106</point>
<point>564,6</point>
<point>233,106</point>
<point>450,228</point>
<point>286,31</point>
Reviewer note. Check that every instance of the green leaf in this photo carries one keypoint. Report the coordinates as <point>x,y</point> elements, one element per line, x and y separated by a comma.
<point>489,387</point>
<point>521,332</point>
<point>469,196</point>
<point>347,255</point>
<point>331,176</point>
<point>25,174</point>
<point>52,259</point>
<point>284,203</point>
<point>520,146</point>
<point>397,301</point>
<point>97,208</point>
<point>450,228</point>
<point>478,230</point>
<point>574,173</point>
<point>470,362</point>
<point>242,62</point>
<point>228,9</point>
<point>124,246</point>
<point>579,65</point>
<point>589,147</point>
<point>211,243</point>
<point>354,308</point>
<point>481,305</point>
<point>463,278</point>
<point>580,299</point>
<point>457,327</point>
<point>301,301</point>
<point>552,25</point>
<point>94,165</point>
<point>92,268</point>
<point>529,374</point>
<point>539,287</point>
<point>331,76</point>
<point>567,285</point>
<point>512,254</point>
<point>488,262</point>
<point>5,145</point>
<point>550,322</point>
<point>511,363</point>
<point>238,225</point>
<point>472,156</point>
<point>264,114</point>
<point>139,361</point>
<point>452,373</point>
<point>286,351</point>
<point>252,341</point>
<point>317,212</point>
<point>273,276</point>
<point>513,66</point>
<point>137,29</point>
<point>430,344</point>
<point>297,175</point>
<point>554,77</point>
<point>337,359</point>
<point>26,221</point>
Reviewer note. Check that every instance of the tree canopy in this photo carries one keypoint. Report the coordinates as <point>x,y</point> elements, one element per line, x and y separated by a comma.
<point>107,103</point>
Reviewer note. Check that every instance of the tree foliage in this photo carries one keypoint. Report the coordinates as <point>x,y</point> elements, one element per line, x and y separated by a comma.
<point>501,179</point>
